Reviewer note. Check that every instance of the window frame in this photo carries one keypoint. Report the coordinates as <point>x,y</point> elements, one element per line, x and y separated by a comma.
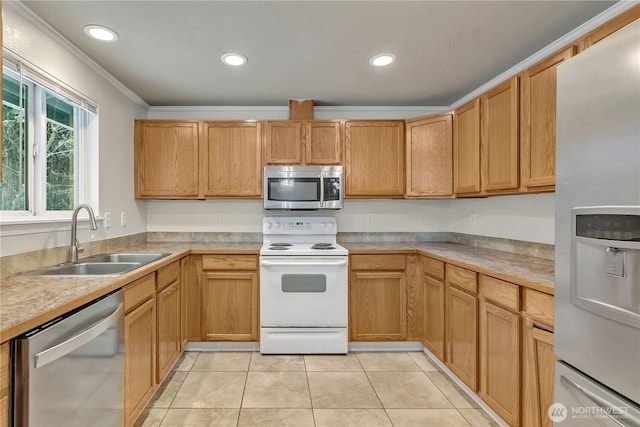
<point>86,148</point>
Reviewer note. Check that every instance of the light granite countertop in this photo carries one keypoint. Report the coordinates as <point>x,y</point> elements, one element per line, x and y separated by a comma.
<point>29,301</point>
<point>535,273</point>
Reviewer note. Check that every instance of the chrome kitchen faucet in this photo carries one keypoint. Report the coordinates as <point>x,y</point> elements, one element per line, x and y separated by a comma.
<point>74,247</point>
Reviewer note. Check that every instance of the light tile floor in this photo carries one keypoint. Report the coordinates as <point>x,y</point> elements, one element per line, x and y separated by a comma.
<point>360,389</point>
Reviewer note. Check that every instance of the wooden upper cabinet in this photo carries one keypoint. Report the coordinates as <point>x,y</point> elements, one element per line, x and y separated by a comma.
<point>315,142</point>
<point>429,154</point>
<point>283,142</point>
<point>538,123</point>
<point>323,143</point>
<point>466,148</point>
<point>500,137</point>
<point>609,28</point>
<point>231,159</point>
<point>374,158</point>
<point>166,159</point>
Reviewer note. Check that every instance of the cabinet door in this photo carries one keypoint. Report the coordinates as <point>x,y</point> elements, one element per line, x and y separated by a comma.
<point>283,142</point>
<point>166,159</point>
<point>374,158</point>
<point>500,360</point>
<point>500,137</point>
<point>231,159</point>
<point>537,375</point>
<point>4,385</point>
<point>230,306</point>
<point>462,336</point>
<point>323,143</point>
<point>378,306</point>
<point>466,148</point>
<point>168,301</point>
<point>538,123</point>
<point>434,304</point>
<point>140,358</point>
<point>430,157</point>
<point>184,275</point>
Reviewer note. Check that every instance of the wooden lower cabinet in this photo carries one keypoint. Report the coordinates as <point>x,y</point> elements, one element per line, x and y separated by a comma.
<point>168,312</point>
<point>184,278</point>
<point>140,345</point>
<point>462,335</point>
<point>230,306</point>
<point>538,366</point>
<point>169,342</point>
<point>500,347</point>
<point>378,306</point>
<point>4,385</point>
<point>434,291</point>
<point>500,360</point>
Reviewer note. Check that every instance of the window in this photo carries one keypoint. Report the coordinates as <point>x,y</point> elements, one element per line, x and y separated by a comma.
<point>48,142</point>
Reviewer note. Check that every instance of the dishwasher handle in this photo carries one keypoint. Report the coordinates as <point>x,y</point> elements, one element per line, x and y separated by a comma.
<point>59,350</point>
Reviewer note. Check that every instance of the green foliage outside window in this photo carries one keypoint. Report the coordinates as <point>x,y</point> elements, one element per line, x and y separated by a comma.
<point>59,149</point>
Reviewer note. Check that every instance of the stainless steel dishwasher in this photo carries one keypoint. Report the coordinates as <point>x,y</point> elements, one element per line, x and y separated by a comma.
<point>70,371</point>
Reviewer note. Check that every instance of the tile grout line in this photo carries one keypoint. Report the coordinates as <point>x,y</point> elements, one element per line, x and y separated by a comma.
<point>366,374</point>
<point>306,374</point>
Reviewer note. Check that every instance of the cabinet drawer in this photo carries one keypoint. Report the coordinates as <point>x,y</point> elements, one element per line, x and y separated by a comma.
<point>139,291</point>
<point>229,262</point>
<point>462,278</point>
<point>538,306</point>
<point>501,292</point>
<point>378,262</point>
<point>168,275</point>
<point>432,267</point>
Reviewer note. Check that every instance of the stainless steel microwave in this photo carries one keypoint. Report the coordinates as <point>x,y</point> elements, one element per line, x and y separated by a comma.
<point>303,187</point>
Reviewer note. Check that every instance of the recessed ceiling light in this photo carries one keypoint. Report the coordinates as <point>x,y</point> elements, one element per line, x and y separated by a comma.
<point>100,32</point>
<point>382,60</point>
<point>234,59</point>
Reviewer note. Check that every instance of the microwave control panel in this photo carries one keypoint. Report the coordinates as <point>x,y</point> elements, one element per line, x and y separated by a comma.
<point>331,188</point>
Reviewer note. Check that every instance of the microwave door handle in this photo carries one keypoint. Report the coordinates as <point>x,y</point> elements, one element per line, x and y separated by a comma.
<point>322,189</point>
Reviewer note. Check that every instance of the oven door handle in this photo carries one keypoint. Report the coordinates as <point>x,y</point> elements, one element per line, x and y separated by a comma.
<point>53,353</point>
<point>293,262</point>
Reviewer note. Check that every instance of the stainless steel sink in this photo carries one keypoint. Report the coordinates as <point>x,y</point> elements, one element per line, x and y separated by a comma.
<point>115,257</point>
<point>109,264</point>
<point>90,269</point>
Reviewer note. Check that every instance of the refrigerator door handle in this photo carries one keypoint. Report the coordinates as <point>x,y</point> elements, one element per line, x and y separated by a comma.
<point>53,353</point>
<point>606,407</point>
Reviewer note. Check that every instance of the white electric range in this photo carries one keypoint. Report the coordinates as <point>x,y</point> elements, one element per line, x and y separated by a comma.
<point>303,286</point>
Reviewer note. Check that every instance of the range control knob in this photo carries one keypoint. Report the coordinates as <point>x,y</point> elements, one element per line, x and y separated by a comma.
<point>276,225</point>
<point>269,225</point>
<point>330,224</point>
<point>323,224</point>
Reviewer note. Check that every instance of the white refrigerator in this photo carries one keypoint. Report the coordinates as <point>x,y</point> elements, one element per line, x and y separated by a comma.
<point>597,279</point>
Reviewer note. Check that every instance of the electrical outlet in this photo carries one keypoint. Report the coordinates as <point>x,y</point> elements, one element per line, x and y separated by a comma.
<point>217,217</point>
<point>371,219</point>
<point>107,220</point>
<point>474,218</point>
<point>123,219</point>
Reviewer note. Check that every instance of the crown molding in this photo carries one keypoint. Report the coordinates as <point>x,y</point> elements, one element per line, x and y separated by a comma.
<point>18,7</point>
<point>550,49</point>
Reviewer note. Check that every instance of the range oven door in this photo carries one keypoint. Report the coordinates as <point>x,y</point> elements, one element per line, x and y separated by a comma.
<point>303,291</point>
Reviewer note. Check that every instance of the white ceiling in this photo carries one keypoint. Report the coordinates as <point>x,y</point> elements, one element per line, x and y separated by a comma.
<point>168,52</point>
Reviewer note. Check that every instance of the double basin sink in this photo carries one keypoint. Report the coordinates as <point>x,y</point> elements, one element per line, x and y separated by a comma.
<point>109,264</point>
